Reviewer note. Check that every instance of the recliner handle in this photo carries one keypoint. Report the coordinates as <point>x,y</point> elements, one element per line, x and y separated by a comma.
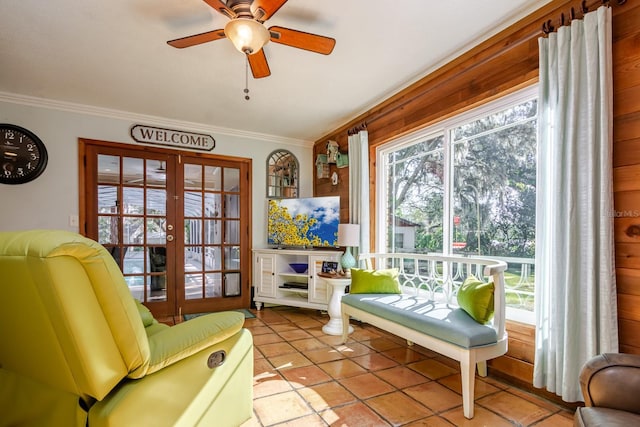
<point>216,359</point>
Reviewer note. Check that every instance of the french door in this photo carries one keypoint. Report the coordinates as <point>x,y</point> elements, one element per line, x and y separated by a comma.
<point>177,224</point>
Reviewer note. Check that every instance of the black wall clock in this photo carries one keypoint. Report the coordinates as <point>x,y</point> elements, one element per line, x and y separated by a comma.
<point>23,156</point>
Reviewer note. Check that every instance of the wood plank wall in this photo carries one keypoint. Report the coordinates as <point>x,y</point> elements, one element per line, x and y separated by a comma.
<point>626,172</point>
<point>505,63</point>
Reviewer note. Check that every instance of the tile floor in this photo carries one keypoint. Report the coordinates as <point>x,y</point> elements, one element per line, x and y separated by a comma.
<point>306,378</point>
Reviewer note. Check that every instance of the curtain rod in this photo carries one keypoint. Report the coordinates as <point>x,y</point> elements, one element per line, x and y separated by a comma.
<point>547,27</point>
<point>358,128</point>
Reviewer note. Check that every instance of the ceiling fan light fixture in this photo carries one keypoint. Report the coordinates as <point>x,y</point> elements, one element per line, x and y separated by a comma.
<point>247,35</point>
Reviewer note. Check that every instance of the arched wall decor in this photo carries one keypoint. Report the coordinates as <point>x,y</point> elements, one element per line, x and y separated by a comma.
<point>282,174</point>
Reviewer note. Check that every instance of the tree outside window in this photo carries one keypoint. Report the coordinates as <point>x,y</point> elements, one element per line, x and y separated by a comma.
<point>469,189</point>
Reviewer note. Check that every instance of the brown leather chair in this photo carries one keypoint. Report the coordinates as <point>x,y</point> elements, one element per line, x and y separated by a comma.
<point>611,388</point>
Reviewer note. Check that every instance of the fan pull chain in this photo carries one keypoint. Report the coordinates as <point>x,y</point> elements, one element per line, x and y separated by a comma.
<point>246,79</point>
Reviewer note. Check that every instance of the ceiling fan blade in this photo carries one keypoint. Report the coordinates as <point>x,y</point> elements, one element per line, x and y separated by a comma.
<point>302,40</point>
<point>196,39</point>
<point>264,9</point>
<point>221,7</point>
<point>259,65</point>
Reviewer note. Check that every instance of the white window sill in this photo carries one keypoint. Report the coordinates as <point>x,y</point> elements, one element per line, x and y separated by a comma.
<point>522,316</point>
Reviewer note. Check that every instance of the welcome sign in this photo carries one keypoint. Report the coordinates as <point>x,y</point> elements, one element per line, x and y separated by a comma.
<point>173,138</point>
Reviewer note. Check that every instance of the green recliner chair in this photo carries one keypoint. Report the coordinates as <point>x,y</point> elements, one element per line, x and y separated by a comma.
<point>77,350</point>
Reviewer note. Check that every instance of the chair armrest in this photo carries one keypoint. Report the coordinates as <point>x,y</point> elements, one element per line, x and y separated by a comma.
<point>612,380</point>
<point>185,339</point>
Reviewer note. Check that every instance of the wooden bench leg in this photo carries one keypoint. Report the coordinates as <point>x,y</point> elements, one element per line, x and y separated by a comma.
<point>468,374</point>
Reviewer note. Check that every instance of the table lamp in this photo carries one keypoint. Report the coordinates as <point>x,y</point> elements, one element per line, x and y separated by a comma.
<point>348,235</point>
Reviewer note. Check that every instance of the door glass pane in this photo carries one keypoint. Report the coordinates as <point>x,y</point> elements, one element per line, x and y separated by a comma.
<point>192,259</point>
<point>156,233</point>
<point>213,285</point>
<point>192,204</point>
<point>212,206</point>
<point>107,199</point>
<point>108,169</point>
<point>136,286</point>
<point>232,206</point>
<point>232,257</point>
<point>156,173</point>
<point>132,230</point>
<point>193,286</point>
<point>133,171</point>
<point>157,264</point>
<point>212,258</point>
<point>107,229</point>
<point>133,199</point>
<point>231,179</point>
<point>156,286</point>
<point>231,284</point>
<point>213,178</point>
<point>192,177</point>
<point>133,260</point>
<point>156,202</point>
<point>192,231</point>
<point>232,232</point>
<point>212,235</point>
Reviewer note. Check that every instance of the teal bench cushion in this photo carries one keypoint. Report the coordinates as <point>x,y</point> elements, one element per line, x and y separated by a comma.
<point>439,320</point>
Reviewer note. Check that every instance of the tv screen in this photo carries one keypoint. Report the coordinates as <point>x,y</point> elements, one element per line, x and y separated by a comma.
<point>303,222</point>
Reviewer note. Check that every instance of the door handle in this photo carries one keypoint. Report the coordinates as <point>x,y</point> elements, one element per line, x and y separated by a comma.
<point>169,237</point>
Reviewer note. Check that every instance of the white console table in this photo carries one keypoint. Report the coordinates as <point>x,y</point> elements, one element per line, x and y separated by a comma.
<point>338,286</point>
<point>273,277</point>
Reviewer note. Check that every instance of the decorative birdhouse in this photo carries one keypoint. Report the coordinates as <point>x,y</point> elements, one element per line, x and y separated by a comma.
<point>332,151</point>
<point>342,160</point>
<point>322,166</point>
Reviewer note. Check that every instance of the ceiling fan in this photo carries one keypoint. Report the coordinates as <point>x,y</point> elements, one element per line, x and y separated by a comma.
<point>248,34</point>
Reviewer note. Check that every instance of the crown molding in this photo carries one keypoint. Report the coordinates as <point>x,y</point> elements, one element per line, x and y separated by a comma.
<point>71,107</point>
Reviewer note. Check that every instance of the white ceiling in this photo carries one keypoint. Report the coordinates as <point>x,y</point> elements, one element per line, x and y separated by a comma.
<point>113,55</point>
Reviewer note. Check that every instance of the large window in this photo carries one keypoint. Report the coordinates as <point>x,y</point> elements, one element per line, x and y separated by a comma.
<point>467,186</point>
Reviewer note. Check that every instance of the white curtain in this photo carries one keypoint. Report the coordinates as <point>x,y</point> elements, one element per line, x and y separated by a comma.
<point>359,187</point>
<point>576,314</point>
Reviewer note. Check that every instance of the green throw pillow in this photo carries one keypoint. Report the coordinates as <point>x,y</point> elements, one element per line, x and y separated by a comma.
<point>374,281</point>
<point>476,298</point>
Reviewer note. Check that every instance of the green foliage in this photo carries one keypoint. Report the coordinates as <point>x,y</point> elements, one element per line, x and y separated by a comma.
<point>429,241</point>
<point>494,185</point>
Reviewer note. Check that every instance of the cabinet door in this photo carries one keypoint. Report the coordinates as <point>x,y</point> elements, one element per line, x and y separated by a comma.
<point>265,275</point>
<point>317,287</point>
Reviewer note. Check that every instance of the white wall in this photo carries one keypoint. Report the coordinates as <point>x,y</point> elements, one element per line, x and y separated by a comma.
<point>50,200</point>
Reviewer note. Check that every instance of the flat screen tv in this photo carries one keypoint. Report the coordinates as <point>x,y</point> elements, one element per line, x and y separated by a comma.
<point>303,222</point>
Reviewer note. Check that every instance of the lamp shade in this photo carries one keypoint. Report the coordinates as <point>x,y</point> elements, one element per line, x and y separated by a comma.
<point>348,235</point>
<point>247,35</point>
